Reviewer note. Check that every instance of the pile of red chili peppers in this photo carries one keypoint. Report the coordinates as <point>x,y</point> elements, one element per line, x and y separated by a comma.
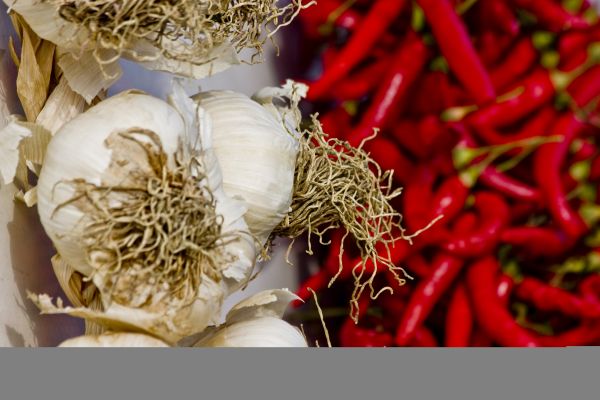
<point>489,114</point>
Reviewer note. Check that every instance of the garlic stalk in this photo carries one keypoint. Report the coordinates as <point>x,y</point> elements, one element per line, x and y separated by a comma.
<point>132,199</point>
<point>114,339</point>
<point>256,322</point>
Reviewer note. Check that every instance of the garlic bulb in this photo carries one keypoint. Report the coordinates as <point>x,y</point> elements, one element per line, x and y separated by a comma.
<point>257,153</point>
<point>114,339</point>
<point>256,322</point>
<point>131,204</point>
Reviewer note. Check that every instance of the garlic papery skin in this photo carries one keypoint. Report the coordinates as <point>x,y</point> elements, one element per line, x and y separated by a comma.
<point>114,339</point>
<point>129,147</point>
<point>256,322</point>
<point>257,155</point>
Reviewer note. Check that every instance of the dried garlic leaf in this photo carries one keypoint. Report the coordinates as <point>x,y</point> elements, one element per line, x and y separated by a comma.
<point>30,81</point>
<point>62,106</point>
<point>45,60</point>
<point>86,76</point>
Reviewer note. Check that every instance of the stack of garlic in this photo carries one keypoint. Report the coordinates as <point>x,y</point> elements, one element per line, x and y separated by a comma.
<point>217,175</point>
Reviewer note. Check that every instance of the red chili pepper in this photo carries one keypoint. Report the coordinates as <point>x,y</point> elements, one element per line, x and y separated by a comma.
<point>416,265</point>
<point>587,333</point>
<point>504,289</point>
<point>449,199</point>
<point>500,16</point>
<point>537,241</point>
<point>336,122</point>
<point>362,82</point>
<point>551,15</point>
<point>519,60</point>
<point>445,268</point>
<point>494,215</point>
<point>547,163</point>
<point>585,151</point>
<point>491,315</point>
<point>423,338</point>
<point>459,319</point>
<point>352,335</point>
<point>509,186</point>
<point>538,90</point>
<point>551,298</point>
<point>455,45</point>
<point>595,169</point>
<point>465,223</point>
<point>406,65</point>
<point>586,87</point>
<point>374,24</point>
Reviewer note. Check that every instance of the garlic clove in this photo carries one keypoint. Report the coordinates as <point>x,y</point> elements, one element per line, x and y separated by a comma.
<point>256,332</point>
<point>256,322</point>
<point>114,339</point>
<point>256,155</point>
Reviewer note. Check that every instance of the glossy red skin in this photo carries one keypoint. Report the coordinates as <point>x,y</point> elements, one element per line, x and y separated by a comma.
<point>519,60</point>
<point>404,68</point>
<point>455,45</point>
<point>445,269</point>
<point>551,15</point>
<point>548,162</point>
<point>494,215</point>
<point>537,241</point>
<point>491,315</point>
<point>459,319</point>
<point>372,27</point>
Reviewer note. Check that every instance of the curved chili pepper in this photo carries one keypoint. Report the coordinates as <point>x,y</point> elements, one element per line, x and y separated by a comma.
<point>547,164</point>
<point>537,241</point>
<point>494,215</point>
<point>585,334</point>
<point>405,67</point>
<point>504,289</point>
<point>536,125</point>
<point>466,222</point>
<point>373,25</point>
<point>551,298</point>
<point>491,315</point>
<point>454,43</point>
<point>585,151</point>
<point>519,60</point>
<point>459,319</point>
<point>509,186</point>
<point>551,15</point>
<point>445,269</point>
<point>538,89</point>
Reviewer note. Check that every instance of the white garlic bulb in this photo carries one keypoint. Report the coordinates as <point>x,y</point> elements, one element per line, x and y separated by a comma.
<point>256,322</point>
<point>257,154</point>
<point>90,151</point>
<point>114,339</point>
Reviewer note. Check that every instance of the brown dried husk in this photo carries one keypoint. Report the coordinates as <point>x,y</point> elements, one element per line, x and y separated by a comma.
<point>195,26</point>
<point>340,186</point>
<point>151,238</point>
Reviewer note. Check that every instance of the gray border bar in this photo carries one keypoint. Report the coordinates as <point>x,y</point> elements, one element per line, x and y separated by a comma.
<point>233,374</point>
